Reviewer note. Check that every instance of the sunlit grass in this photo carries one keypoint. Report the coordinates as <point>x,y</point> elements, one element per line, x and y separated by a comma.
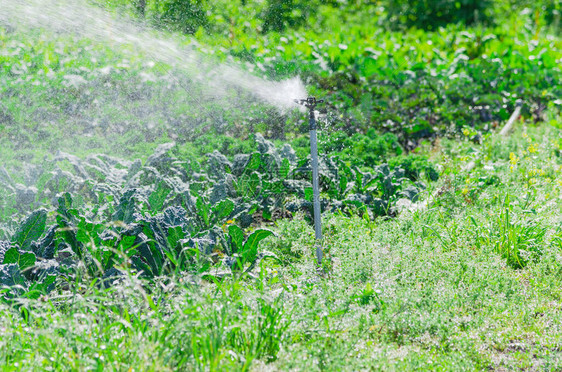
<point>440,288</point>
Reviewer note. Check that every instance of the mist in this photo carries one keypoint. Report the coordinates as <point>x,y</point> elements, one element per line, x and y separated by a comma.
<point>79,18</point>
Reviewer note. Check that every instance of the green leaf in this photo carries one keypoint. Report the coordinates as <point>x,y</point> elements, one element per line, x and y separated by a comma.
<point>65,203</point>
<point>254,162</point>
<point>31,229</point>
<point>158,196</point>
<point>11,275</point>
<point>359,181</point>
<point>126,245</point>
<point>284,169</point>
<point>275,187</point>
<point>87,231</point>
<point>203,210</point>
<point>67,233</point>
<point>24,260</point>
<point>141,265</point>
<point>247,185</point>
<point>250,250</point>
<point>237,236</point>
<point>266,214</point>
<point>343,185</point>
<point>106,257</point>
<point>308,194</point>
<point>154,254</point>
<point>32,294</point>
<point>82,234</point>
<point>175,234</point>
<point>11,256</point>
<point>223,209</point>
<point>126,208</point>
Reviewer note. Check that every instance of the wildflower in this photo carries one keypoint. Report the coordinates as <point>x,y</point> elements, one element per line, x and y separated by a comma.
<point>464,191</point>
<point>225,225</point>
<point>466,132</point>
<point>532,149</point>
<point>513,159</point>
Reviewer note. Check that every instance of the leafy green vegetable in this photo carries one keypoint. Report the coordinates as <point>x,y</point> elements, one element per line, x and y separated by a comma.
<point>24,260</point>
<point>158,197</point>
<point>31,229</point>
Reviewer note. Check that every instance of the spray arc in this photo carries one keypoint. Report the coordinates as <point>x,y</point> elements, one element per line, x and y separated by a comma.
<point>310,103</point>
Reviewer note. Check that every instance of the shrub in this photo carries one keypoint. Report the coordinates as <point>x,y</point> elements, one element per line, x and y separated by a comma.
<point>182,15</point>
<point>363,149</point>
<point>430,14</point>
<point>414,166</point>
<point>282,14</point>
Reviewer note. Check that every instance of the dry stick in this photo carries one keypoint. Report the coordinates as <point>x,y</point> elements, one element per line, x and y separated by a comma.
<point>504,132</point>
<point>511,120</point>
<point>470,166</point>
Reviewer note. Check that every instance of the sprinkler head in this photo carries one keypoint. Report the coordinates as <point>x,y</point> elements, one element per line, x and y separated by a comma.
<point>309,102</point>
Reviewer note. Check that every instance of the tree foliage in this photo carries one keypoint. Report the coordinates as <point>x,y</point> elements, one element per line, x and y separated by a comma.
<point>181,15</point>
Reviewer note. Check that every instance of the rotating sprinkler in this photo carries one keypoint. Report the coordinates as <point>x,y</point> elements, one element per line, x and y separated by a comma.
<point>310,103</point>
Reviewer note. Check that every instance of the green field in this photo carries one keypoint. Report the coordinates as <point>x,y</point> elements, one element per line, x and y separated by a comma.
<point>156,196</point>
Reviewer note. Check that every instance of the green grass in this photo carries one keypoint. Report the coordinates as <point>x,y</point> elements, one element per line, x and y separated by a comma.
<point>429,290</point>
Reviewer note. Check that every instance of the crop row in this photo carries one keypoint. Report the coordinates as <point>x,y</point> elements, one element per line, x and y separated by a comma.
<point>171,215</point>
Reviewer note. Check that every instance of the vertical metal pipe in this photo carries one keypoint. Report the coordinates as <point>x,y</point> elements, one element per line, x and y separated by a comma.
<point>315,186</point>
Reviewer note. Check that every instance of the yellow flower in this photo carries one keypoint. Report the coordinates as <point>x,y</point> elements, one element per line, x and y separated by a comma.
<point>532,148</point>
<point>466,132</point>
<point>465,191</point>
<point>513,159</point>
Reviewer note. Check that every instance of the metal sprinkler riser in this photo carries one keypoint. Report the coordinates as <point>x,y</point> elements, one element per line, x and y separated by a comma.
<point>311,103</point>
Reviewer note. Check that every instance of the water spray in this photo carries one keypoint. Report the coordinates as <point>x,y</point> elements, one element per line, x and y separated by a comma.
<point>310,103</point>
